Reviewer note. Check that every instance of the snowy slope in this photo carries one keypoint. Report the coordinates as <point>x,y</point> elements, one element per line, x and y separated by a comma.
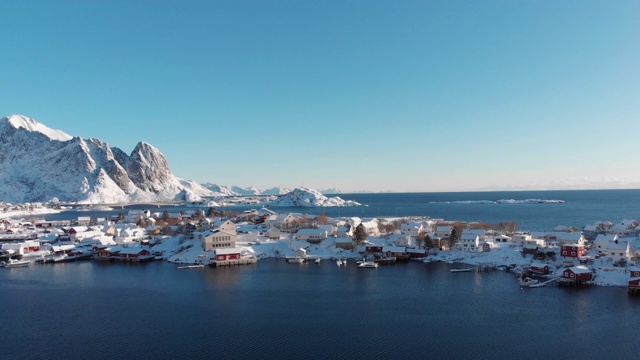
<point>38,164</point>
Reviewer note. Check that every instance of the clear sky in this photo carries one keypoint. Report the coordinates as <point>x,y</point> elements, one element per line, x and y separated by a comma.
<point>356,95</point>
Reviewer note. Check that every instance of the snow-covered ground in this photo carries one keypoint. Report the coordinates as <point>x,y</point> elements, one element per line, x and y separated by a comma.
<point>15,213</point>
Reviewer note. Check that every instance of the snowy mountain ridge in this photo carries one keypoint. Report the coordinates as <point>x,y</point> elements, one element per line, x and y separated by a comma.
<point>38,164</point>
<point>222,190</point>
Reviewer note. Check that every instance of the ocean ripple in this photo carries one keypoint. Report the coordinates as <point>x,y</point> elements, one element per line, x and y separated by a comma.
<point>502,201</point>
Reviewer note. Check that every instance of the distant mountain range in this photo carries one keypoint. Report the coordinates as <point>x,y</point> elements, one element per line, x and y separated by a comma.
<point>39,164</point>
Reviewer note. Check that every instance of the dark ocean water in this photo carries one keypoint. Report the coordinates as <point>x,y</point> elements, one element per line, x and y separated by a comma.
<point>580,207</point>
<point>280,310</point>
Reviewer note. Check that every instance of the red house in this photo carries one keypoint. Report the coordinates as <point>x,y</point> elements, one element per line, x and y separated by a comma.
<point>577,274</point>
<point>573,251</point>
<point>634,280</point>
<point>372,249</point>
<point>539,268</point>
<point>225,254</point>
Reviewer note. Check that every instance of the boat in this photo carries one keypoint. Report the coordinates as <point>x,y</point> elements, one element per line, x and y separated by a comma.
<point>196,266</point>
<point>295,260</point>
<point>317,260</point>
<point>462,270</point>
<point>54,258</point>
<point>339,262</point>
<point>367,264</point>
<point>12,263</point>
<point>388,260</point>
<point>528,282</point>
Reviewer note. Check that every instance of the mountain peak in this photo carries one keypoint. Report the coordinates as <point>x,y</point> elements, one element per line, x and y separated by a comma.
<point>21,121</point>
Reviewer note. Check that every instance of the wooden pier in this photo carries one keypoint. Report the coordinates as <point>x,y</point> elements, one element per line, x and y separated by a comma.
<point>486,267</point>
<point>215,263</point>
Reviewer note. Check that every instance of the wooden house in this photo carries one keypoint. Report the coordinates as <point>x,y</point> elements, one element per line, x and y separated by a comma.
<point>577,275</point>
<point>539,268</point>
<point>634,280</point>
<point>572,251</point>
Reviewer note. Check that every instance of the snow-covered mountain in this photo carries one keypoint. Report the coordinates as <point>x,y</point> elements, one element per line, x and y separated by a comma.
<point>222,190</point>
<point>276,191</point>
<point>305,197</point>
<point>245,191</point>
<point>38,164</point>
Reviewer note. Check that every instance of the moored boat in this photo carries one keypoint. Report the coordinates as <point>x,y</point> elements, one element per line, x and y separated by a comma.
<point>462,270</point>
<point>196,266</point>
<point>12,263</point>
<point>528,282</point>
<point>367,264</point>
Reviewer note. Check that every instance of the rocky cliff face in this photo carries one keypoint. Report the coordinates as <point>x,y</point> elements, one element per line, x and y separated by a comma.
<point>38,164</point>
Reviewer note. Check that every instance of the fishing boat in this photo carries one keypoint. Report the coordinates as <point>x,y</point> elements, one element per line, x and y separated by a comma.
<point>528,282</point>
<point>12,263</point>
<point>367,264</point>
<point>295,260</point>
<point>317,260</point>
<point>196,266</point>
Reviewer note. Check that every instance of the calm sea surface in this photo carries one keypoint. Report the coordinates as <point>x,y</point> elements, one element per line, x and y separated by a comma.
<point>280,310</point>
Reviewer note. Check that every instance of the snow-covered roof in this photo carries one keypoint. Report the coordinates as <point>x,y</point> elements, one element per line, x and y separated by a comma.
<point>227,251</point>
<point>311,231</point>
<point>538,264</point>
<point>620,245</point>
<point>580,269</point>
<point>394,249</point>
<point>606,237</point>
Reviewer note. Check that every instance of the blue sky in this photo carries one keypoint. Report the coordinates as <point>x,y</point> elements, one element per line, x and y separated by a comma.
<point>355,95</point>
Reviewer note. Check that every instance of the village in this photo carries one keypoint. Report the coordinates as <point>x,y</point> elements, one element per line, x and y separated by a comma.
<point>602,253</point>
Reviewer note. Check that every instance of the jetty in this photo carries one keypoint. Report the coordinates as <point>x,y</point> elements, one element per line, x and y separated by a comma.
<point>242,261</point>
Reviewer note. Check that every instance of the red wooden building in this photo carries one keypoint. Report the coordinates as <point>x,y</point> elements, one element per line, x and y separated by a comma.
<point>634,280</point>
<point>540,268</point>
<point>577,274</point>
<point>226,254</point>
<point>573,251</point>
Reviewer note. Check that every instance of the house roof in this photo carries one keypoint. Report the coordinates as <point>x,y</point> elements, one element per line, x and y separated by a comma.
<point>580,269</point>
<point>395,249</point>
<point>227,251</point>
<point>606,237</point>
<point>311,231</point>
<point>538,264</point>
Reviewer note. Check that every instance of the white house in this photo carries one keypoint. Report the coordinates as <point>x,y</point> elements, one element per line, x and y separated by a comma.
<point>371,227</point>
<point>470,242</point>
<point>412,228</point>
<point>443,231</point>
<point>521,238</point>
<point>224,225</point>
<point>314,236</point>
<point>602,242</point>
<point>401,240</point>
<point>220,239</point>
<point>566,238</point>
<point>617,251</point>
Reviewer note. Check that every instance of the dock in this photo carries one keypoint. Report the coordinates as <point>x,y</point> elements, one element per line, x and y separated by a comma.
<point>215,263</point>
<point>486,267</point>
